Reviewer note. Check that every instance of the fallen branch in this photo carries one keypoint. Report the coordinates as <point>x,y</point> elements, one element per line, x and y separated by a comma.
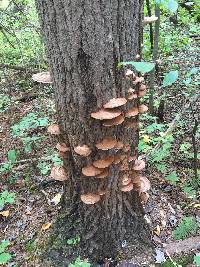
<point>19,68</point>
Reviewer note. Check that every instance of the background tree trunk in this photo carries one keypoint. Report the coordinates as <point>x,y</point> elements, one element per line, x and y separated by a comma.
<point>85,41</point>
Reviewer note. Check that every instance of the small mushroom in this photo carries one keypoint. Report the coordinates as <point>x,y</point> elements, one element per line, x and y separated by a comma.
<point>102,192</point>
<point>90,199</point>
<point>83,150</point>
<point>107,143</point>
<point>119,145</point>
<point>126,180</point>
<point>142,108</point>
<point>105,114</point>
<point>148,20</point>
<point>58,173</point>
<point>114,122</point>
<point>104,162</point>
<point>139,165</point>
<point>144,196</point>
<point>127,188</point>
<point>53,129</point>
<point>42,77</point>
<point>103,174</point>
<point>62,147</point>
<point>142,93</point>
<point>130,73</point>
<point>142,87</point>
<point>138,80</point>
<point>145,184</point>
<point>91,171</point>
<point>115,102</point>
<point>132,112</point>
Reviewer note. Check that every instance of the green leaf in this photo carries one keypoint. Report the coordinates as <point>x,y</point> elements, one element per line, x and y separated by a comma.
<point>172,177</point>
<point>12,156</point>
<point>4,244</point>
<point>171,5</point>
<point>170,78</point>
<point>197,260</point>
<point>5,257</point>
<point>143,67</point>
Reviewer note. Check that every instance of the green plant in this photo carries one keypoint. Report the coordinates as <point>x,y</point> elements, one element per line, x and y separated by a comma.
<point>79,263</point>
<point>172,177</point>
<point>4,256</point>
<point>57,160</point>
<point>197,260</point>
<point>73,241</point>
<point>6,197</point>
<point>4,102</point>
<point>44,167</point>
<point>187,227</point>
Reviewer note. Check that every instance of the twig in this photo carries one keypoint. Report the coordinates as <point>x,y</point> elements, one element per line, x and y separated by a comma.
<point>194,131</point>
<point>15,67</point>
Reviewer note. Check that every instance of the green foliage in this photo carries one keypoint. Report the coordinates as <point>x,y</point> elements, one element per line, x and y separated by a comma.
<point>142,67</point>
<point>170,5</point>
<point>181,261</point>
<point>187,227</point>
<point>57,160</point>
<point>197,260</point>
<point>12,156</point>
<point>4,256</point>
<point>170,78</point>
<point>79,263</point>
<point>74,241</point>
<point>4,103</point>
<point>172,177</point>
<point>44,167</point>
<point>6,197</point>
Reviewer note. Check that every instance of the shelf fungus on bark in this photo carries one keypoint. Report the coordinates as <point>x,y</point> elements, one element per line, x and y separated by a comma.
<point>53,129</point>
<point>103,174</point>
<point>106,114</point>
<point>91,171</point>
<point>145,184</point>
<point>102,192</point>
<point>62,147</point>
<point>127,148</point>
<point>142,108</point>
<point>104,162</point>
<point>142,93</point>
<point>148,20</point>
<point>83,150</point>
<point>124,165</point>
<point>144,197</point>
<point>90,199</point>
<point>115,103</point>
<point>126,180</point>
<point>138,80</point>
<point>119,145</point>
<point>114,122</point>
<point>58,173</point>
<point>107,143</point>
<point>127,188</point>
<point>42,77</point>
<point>139,165</point>
<point>132,112</point>
<point>130,74</point>
<point>117,159</point>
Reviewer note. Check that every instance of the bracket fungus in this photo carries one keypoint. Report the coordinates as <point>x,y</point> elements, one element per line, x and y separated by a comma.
<point>104,162</point>
<point>91,171</point>
<point>142,108</point>
<point>90,199</point>
<point>106,114</point>
<point>130,73</point>
<point>83,150</point>
<point>58,173</point>
<point>144,196</point>
<point>103,174</point>
<point>62,147</point>
<point>119,145</point>
<point>42,77</point>
<point>139,165</point>
<point>132,112</point>
<point>53,129</point>
<point>114,122</point>
<point>127,188</point>
<point>148,20</point>
<point>107,143</point>
<point>145,184</point>
<point>115,102</point>
<point>126,180</point>
<point>138,80</point>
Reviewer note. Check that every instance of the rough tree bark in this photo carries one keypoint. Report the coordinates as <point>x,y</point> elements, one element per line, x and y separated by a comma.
<point>85,40</point>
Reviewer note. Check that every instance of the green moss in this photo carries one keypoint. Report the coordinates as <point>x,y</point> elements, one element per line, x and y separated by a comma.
<point>183,261</point>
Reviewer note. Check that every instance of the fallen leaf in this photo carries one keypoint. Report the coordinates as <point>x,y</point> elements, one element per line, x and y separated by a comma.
<point>197,206</point>
<point>5,213</point>
<point>56,199</point>
<point>160,256</point>
<point>46,226</point>
<point>157,230</point>
<point>146,139</point>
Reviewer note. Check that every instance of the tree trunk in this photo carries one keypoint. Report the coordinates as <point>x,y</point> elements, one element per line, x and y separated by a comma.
<point>85,41</point>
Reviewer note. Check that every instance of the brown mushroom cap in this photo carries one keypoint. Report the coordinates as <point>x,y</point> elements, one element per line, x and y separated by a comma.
<point>127,188</point>
<point>132,96</point>
<point>129,73</point>
<point>138,80</point>
<point>124,165</point>
<point>139,165</point>
<point>145,184</point>
<point>83,150</point>
<point>132,112</point>
<point>119,145</point>
<point>148,20</point>
<point>103,174</point>
<point>42,77</point>
<point>107,143</point>
<point>126,148</point>
<point>91,171</point>
<point>142,93</point>
<point>113,122</point>
<point>104,162</point>
<point>90,198</point>
<point>126,180</point>
<point>58,173</point>
<point>131,90</point>
<point>117,159</point>
<point>142,87</point>
<point>115,102</point>
<point>142,108</point>
<point>144,196</point>
<point>105,114</point>
<point>131,125</point>
<point>62,147</point>
<point>53,129</point>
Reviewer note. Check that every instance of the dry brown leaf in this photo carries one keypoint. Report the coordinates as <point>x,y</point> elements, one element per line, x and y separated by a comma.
<point>46,226</point>
<point>5,213</point>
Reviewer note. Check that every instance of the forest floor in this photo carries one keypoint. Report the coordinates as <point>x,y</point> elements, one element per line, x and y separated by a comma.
<point>37,205</point>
